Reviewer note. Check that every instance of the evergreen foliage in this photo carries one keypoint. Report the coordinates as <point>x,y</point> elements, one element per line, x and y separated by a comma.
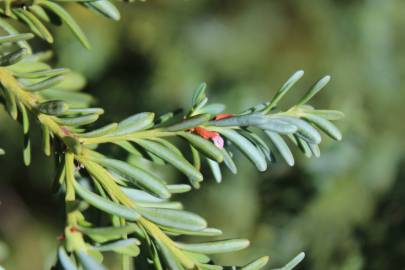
<point>136,216</point>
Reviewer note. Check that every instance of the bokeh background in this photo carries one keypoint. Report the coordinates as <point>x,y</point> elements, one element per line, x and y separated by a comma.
<point>346,210</point>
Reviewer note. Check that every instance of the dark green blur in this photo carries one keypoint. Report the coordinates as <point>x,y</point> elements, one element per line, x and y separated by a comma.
<point>346,210</point>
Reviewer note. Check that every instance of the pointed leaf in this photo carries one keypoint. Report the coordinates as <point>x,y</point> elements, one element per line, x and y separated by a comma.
<point>190,122</point>
<point>139,176</point>
<point>196,157</point>
<point>105,8</point>
<point>25,119</point>
<point>84,111</point>
<point>70,22</point>
<point>140,195</point>
<point>284,89</point>
<point>314,89</point>
<point>169,146</point>
<point>246,147</point>
<point>11,30</point>
<point>199,94</point>
<point>256,264</point>
<point>277,124</point>
<point>177,161</point>
<point>325,125</point>
<point>46,143</point>
<point>281,147</point>
<point>15,38</point>
<point>328,114</point>
<point>134,123</point>
<point>255,119</point>
<point>315,149</point>
<point>106,205</point>
<point>259,143</point>
<point>164,204</point>
<point>100,131</point>
<point>305,130</point>
<point>88,262</point>
<point>215,247</point>
<point>294,262</point>
<point>204,232</point>
<point>39,12</point>
<point>27,141</point>
<point>205,146</point>
<point>303,146</point>
<point>179,188</point>
<point>78,121</point>
<point>42,73</point>
<point>229,161</point>
<point>212,109</point>
<point>172,218</point>
<point>215,169</point>
<point>43,31</point>
<point>171,261</point>
<point>33,23</point>
<point>65,260</point>
<point>201,258</point>
<point>44,84</point>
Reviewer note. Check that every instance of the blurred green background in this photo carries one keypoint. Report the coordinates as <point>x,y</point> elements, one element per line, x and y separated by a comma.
<point>346,210</point>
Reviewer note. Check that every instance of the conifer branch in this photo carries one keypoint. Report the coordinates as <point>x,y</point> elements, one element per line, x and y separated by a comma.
<point>142,217</point>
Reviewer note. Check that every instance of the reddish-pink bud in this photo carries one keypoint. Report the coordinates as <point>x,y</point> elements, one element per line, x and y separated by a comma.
<point>218,141</point>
